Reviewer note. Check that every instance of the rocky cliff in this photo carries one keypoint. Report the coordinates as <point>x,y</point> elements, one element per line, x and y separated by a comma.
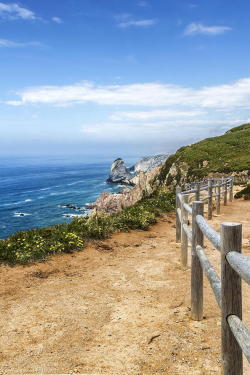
<point>119,173</point>
<point>144,186</point>
<point>222,155</point>
<point>226,154</point>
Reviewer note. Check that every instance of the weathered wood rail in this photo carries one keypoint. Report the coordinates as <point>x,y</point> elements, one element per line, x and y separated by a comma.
<point>235,336</point>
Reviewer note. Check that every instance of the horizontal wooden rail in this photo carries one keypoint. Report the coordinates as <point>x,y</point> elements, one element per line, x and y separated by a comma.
<point>241,333</point>
<point>209,232</point>
<point>210,273</point>
<point>241,264</point>
<point>187,208</point>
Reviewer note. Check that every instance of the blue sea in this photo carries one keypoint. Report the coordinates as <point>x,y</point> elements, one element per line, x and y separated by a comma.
<point>34,191</point>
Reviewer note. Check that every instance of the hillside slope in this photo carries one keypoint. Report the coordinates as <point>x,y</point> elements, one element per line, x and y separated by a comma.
<point>227,154</point>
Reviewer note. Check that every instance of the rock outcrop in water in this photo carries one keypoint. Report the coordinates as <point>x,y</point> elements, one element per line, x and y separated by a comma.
<point>116,202</point>
<point>140,177</point>
<point>119,173</point>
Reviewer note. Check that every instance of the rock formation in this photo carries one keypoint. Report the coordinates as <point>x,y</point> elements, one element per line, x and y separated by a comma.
<point>112,203</point>
<point>119,173</point>
<point>148,163</point>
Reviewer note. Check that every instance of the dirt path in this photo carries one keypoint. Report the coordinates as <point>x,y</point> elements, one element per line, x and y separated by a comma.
<point>120,308</point>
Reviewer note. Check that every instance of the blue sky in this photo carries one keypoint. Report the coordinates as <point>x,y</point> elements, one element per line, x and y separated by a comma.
<point>116,77</point>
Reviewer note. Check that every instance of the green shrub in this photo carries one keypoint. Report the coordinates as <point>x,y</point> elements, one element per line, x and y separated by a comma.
<point>244,193</point>
<point>37,244</point>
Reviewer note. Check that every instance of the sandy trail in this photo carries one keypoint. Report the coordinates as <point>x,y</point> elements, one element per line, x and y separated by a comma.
<point>120,307</point>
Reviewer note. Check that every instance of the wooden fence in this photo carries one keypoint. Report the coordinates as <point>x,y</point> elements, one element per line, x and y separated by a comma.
<point>235,337</point>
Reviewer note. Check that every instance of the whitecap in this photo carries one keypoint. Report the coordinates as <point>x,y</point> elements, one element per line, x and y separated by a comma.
<point>73,215</point>
<point>75,183</point>
<point>16,203</point>
<point>20,214</point>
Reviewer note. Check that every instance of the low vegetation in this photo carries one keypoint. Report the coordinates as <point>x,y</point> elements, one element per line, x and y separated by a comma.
<point>37,244</point>
<point>224,154</point>
<point>244,193</point>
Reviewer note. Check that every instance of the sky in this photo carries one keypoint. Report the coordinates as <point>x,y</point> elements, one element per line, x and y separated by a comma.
<point>121,77</point>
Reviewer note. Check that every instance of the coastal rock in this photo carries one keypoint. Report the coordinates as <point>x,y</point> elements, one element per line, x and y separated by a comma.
<point>71,206</point>
<point>112,203</point>
<point>119,173</point>
<point>147,163</point>
<point>141,178</point>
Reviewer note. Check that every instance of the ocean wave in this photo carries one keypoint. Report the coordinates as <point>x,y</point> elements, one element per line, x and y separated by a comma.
<point>76,182</point>
<point>16,203</point>
<point>20,214</point>
<point>73,215</point>
<point>47,188</point>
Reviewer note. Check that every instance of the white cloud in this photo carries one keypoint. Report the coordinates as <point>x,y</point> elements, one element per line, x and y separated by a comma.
<point>154,115</point>
<point>137,23</point>
<point>14,11</point>
<point>199,28</point>
<point>166,131</point>
<point>57,20</point>
<point>227,96</point>
<point>126,20</point>
<point>4,43</point>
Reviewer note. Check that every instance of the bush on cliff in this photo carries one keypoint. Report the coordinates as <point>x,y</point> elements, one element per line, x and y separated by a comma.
<point>37,244</point>
<point>224,154</point>
<point>244,193</point>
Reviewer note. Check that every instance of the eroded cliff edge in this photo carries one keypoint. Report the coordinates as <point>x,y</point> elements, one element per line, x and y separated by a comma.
<point>228,154</point>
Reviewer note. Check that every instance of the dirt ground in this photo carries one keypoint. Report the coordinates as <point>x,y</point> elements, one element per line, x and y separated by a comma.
<point>120,307</point>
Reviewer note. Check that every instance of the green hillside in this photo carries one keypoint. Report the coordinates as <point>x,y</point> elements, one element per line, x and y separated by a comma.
<point>224,154</point>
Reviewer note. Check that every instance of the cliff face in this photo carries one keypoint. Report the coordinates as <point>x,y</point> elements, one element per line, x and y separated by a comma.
<point>116,202</point>
<point>226,154</point>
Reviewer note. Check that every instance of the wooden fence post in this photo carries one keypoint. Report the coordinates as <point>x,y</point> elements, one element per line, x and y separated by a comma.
<point>218,199</point>
<point>231,194</point>
<point>184,237</point>
<point>225,193</point>
<point>196,269</point>
<point>210,199</point>
<point>231,299</point>
<point>197,193</point>
<point>178,223</point>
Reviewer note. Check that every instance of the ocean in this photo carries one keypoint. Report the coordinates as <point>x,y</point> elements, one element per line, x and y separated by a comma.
<point>34,192</point>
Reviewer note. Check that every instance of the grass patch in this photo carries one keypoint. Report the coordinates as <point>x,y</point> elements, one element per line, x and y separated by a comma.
<point>37,244</point>
<point>224,154</point>
<point>244,193</point>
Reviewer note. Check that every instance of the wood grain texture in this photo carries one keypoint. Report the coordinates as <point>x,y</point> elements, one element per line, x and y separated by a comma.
<point>209,232</point>
<point>211,274</point>
<point>241,333</point>
<point>184,237</point>
<point>196,269</point>
<point>210,199</point>
<point>218,198</point>
<point>240,263</point>
<point>178,222</point>
<point>231,299</point>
